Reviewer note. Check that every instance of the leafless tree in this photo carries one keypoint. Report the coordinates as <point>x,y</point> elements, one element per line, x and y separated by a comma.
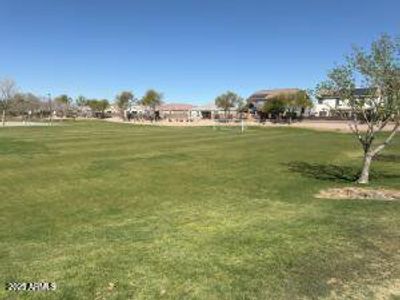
<point>8,90</point>
<point>23,103</point>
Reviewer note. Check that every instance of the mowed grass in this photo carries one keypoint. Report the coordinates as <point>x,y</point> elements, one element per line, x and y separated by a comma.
<point>113,211</point>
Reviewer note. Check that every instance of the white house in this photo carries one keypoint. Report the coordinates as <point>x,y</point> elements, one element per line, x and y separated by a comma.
<point>112,110</point>
<point>137,109</point>
<point>330,105</point>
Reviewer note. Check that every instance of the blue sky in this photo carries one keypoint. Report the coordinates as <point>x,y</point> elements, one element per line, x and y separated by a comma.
<point>190,50</point>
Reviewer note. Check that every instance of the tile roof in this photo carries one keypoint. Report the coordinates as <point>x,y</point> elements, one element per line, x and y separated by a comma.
<point>267,94</point>
<point>206,107</point>
<point>176,106</point>
<point>276,91</point>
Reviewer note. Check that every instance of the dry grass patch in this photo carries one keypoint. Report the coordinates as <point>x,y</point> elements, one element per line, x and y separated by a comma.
<point>359,193</point>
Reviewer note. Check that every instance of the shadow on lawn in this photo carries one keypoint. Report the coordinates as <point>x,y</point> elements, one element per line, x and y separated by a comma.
<point>333,172</point>
<point>302,260</point>
<point>388,158</point>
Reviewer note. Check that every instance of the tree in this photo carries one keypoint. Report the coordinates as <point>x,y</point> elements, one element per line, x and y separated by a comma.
<point>98,106</point>
<point>63,102</point>
<point>298,100</point>
<point>290,102</point>
<point>102,106</point>
<point>8,90</point>
<point>92,103</point>
<point>242,107</point>
<point>274,106</point>
<point>45,106</point>
<point>378,68</point>
<point>152,99</point>
<point>227,101</point>
<point>25,103</point>
<point>80,101</point>
<point>304,101</point>
<point>122,101</point>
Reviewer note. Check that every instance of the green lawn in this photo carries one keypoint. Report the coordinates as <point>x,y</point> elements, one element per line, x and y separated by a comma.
<point>192,213</point>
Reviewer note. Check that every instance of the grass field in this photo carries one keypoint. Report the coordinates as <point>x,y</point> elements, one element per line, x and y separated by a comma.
<point>112,211</point>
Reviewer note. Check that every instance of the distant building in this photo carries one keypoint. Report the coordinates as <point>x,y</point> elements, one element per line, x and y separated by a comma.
<point>211,111</point>
<point>183,112</point>
<point>258,99</point>
<point>330,105</point>
<point>175,111</point>
<point>85,112</point>
<point>137,109</point>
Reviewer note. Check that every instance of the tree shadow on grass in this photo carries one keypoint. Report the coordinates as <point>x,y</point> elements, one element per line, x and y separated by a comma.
<point>302,260</point>
<point>333,172</point>
<point>388,158</point>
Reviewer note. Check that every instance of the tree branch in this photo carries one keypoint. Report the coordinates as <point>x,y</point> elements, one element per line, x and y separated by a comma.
<point>388,139</point>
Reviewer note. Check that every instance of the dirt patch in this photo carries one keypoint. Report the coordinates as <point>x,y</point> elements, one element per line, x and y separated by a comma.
<point>359,193</point>
<point>390,290</point>
<point>387,290</point>
<point>24,124</point>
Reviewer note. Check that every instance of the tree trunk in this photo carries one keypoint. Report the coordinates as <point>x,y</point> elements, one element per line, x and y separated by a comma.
<point>290,116</point>
<point>371,153</point>
<point>3,118</point>
<point>364,177</point>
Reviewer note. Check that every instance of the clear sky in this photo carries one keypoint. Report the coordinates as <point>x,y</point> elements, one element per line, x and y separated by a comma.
<point>191,50</point>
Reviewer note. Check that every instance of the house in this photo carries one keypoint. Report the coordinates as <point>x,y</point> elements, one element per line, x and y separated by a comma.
<point>136,109</point>
<point>184,112</point>
<point>207,111</point>
<point>175,111</point>
<point>258,99</point>
<point>85,112</point>
<point>113,109</point>
<point>211,111</point>
<point>330,105</point>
